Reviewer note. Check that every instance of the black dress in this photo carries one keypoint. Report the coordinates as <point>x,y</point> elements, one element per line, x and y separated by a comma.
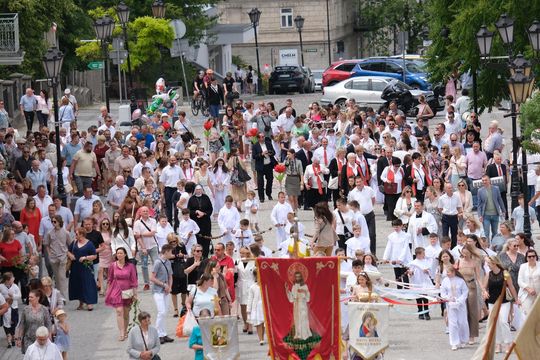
<point>202,203</point>
<point>495,287</point>
<point>179,284</point>
<point>195,275</point>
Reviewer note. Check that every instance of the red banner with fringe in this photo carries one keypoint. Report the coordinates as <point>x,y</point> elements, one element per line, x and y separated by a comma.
<point>301,307</point>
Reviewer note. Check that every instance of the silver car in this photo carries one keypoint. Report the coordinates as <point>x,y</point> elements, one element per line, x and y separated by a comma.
<point>366,90</point>
<point>317,76</point>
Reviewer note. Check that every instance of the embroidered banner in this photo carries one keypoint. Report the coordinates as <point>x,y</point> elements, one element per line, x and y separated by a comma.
<point>220,338</point>
<point>368,328</point>
<point>301,307</point>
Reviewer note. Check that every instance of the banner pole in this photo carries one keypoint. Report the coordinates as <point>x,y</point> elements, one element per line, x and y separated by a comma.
<point>509,352</point>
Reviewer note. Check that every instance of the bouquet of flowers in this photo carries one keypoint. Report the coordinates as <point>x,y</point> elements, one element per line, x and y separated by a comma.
<point>207,126</point>
<point>279,173</point>
<point>20,262</point>
<point>252,134</point>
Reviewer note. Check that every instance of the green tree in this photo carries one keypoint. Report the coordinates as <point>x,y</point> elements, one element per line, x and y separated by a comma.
<point>463,19</point>
<point>530,122</point>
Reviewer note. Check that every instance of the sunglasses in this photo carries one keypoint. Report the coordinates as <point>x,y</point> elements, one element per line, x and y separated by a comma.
<point>105,223</point>
<point>54,222</point>
<point>197,251</point>
<point>408,192</point>
<point>531,256</point>
<point>173,242</point>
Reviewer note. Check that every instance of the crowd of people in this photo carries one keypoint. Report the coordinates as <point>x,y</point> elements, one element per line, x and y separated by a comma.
<point>149,199</point>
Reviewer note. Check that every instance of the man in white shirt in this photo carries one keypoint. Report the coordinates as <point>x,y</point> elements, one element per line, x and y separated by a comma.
<point>451,208</point>
<point>279,217</point>
<point>365,196</point>
<point>143,163</point>
<point>324,153</point>
<point>117,193</point>
<point>392,129</point>
<point>108,125</point>
<point>452,125</point>
<point>285,121</point>
<point>170,176</point>
<point>42,199</point>
<point>42,348</point>
<point>145,230</point>
<point>83,205</point>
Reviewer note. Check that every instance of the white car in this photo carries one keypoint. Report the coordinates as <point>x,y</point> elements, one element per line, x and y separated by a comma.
<point>366,90</point>
<point>317,76</point>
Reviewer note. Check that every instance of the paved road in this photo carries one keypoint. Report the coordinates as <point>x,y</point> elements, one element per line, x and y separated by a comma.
<point>94,333</point>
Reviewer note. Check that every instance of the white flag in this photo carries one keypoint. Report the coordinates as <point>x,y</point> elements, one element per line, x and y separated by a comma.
<point>220,338</point>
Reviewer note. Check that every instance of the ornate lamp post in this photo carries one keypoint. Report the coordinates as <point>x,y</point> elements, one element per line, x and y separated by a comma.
<point>52,63</point>
<point>520,85</point>
<point>299,22</point>
<point>254,17</point>
<point>158,11</point>
<point>123,15</point>
<point>104,28</point>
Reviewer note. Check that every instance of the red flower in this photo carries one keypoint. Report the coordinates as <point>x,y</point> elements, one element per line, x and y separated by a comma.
<point>252,132</point>
<point>207,125</point>
<point>279,168</point>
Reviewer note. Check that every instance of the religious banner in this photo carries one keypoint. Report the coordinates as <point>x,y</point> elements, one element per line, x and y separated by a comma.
<point>301,307</point>
<point>220,338</point>
<point>368,328</point>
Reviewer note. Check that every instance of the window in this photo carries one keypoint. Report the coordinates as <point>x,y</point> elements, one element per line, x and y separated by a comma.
<point>286,18</point>
<point>378,85</point>
<point>346,67</point>
<point>360,85</point>
<point>348,85</point>
<point>393,68</point>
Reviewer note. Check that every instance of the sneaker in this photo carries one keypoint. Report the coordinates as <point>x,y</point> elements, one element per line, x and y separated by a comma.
<point>446,331</point>
<point>161,340</point>
<point>146,287</point>
<point>427,317</point>
<point>421,317</point>
<point>168,339</point>
<point>454,348</point>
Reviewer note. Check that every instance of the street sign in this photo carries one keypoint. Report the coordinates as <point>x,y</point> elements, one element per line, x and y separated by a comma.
<point>118,54</point>
<point>96,65</point>
<point>179,28</point>
<point>310,50</point>
<point>118,43</point>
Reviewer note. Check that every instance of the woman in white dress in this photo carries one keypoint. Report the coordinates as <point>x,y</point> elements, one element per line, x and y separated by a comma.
<point>299,295</point>
<point>255,308</point>
<point>454,290</point>
<point>220,182</point>
<point>529,281</point>
<point>244,268</point>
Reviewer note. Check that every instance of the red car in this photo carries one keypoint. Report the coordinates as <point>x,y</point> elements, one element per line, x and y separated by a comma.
<point>338,71</point>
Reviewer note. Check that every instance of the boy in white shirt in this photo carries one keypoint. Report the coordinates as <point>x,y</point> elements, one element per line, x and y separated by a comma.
<point>461,240</point>
<point>187,230</point>
<point>432,251</point>
<point>243,235</point>
<point>357,242</point>
<point>228,219</point>
<point>290,223</point>
<point>397,251</point>
<point>352,279</point>
<point>162,230</point>
<point>420,276</point>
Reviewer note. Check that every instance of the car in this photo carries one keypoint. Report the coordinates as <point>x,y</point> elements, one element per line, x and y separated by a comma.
<point>415,75</point>
<point>366,90</point>
<point>338,71</point>
<point>317,76</point>
<point>286,78</point>
<point>311,87</point>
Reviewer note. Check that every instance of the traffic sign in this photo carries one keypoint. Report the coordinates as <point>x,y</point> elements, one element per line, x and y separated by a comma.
<point>118,54</point>
<point>96,65</point>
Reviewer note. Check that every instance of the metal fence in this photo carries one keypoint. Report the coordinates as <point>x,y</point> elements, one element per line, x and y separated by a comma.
<point>9,33</point>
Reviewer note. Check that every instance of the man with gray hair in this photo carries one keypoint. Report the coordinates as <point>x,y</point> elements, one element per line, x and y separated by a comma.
<point>42,348</point>
<point>117,193</point>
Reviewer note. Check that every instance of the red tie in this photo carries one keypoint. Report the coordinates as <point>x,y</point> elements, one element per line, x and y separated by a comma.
<point>316,172</point>
<point>500,171</point>
<point>325,158</point>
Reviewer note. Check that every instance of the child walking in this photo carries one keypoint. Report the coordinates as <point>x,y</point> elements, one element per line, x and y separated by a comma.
<point>62,340</point>
<point>255,308</point>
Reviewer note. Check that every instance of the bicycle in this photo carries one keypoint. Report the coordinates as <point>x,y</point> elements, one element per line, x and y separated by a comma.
<point>199,104</point>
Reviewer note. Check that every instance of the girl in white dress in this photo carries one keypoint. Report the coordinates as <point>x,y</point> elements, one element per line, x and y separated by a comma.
<point>220,181</point>
<point>255,308</point>
<point>245,267</point>
<point>455,291</point>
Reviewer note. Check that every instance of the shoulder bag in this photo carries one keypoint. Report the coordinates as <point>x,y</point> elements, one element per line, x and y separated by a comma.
<point>155,357</point>
<point>147,228</point>
<point>346,231</point>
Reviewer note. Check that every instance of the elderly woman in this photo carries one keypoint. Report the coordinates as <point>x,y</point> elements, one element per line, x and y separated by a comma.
<point>54,297</point>
<point>392,178</point>
<point>504,234</point>
<point>82,285</point>
<point>529,281</point>
<point>143,340</point>
<point>32,317</point>
<point>200,211</point>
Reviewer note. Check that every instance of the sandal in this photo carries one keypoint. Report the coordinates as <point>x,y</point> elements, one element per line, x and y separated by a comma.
<point>90,308</point>
<point>80,307</point>
<point>175,313</point>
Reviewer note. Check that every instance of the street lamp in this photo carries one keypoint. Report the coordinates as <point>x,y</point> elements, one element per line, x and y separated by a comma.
<point>104,28</point>
<point>254,17</point>
<point>123,15</point>
<point>299,22</point>
<point>52,62</point>
<point>520,86</point>
<point>158,11</point>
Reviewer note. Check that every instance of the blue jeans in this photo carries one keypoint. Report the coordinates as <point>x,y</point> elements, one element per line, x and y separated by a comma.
<point>491,225</point>
<point>214,110</point>
<point>153,254</point>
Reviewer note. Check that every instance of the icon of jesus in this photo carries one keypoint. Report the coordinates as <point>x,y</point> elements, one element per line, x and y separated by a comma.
<point>299,296</point>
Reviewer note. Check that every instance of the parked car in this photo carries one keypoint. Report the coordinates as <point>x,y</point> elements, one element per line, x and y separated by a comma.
<point>338,71</point>
<point>317,76</point>
<point>415,75</point>
<point>366,90</point>
<point>311,77</point>
<point>287,78</point>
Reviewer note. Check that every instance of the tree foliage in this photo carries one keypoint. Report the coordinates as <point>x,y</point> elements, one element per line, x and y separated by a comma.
<point>387,18</point>
<point>463,19</point>
<point>530,122</point>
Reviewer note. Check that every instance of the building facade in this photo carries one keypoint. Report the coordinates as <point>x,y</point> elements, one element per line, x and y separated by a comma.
<point>278,37</point>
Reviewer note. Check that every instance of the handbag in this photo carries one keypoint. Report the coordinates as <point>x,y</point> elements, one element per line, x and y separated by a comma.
<point>390,188</point>
<point>155,357</point>
<point>346,231</point>
<point>127,294</point>
<point>333,183</point>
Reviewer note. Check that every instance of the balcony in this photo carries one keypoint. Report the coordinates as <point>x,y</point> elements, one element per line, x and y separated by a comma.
<point>10,51</point>
<point>363,23</point>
